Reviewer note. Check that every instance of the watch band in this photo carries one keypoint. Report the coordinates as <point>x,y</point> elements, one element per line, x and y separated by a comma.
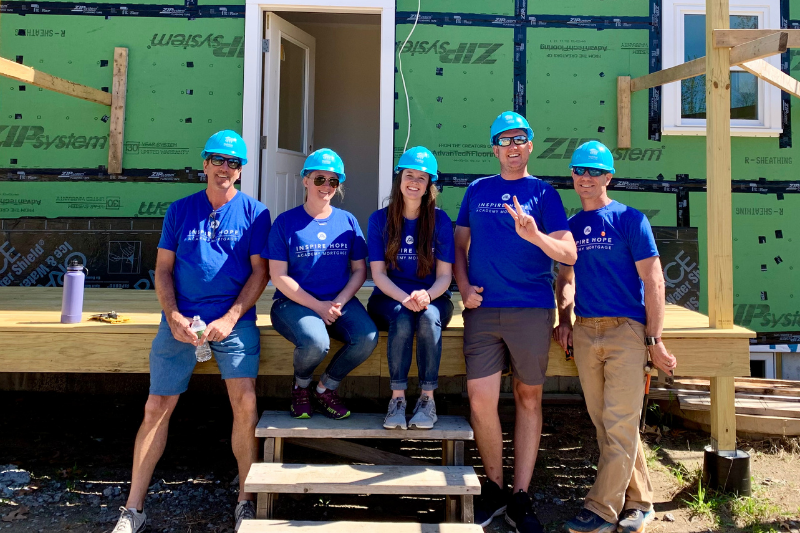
<point>651,341</point>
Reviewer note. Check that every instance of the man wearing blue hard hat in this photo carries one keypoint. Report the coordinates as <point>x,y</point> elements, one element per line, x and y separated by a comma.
<point>209,265</point>
<point>618,289</point>
<point>504,260</point>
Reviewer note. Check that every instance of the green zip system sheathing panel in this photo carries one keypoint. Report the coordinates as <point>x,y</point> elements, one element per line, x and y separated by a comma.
<point>184,83</point>
<point>574,10</point>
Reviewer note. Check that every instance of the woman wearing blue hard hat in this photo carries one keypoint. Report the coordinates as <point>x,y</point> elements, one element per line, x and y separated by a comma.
<point>317,262</point>
<point>411,253</point>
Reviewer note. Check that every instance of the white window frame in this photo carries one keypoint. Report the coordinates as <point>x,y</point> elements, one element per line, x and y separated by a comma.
<point>769,96</point>
<point>769,360</point>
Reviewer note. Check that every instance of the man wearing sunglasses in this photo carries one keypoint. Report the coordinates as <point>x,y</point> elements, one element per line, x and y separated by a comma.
<point>208,265</point>
<point>503,267</point>
<point>618,289</point>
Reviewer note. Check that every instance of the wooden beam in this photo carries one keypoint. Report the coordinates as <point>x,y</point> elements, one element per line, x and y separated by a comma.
<point>624,112</point>
<point>723,414</point>
<point>730,38</point>
<point>718,199</point>
<point>769,45</point>
<point>18,72</point>
<point>774,76</point>
<point>357,452</point>
<point>116,137</point>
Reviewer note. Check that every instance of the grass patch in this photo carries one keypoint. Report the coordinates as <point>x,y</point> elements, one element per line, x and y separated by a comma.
<point>749,513</point>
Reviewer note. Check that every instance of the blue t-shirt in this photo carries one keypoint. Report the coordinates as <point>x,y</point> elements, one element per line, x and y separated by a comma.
<point>212,251</point>
<point>318,250</point>
<point>610,241</point>
<point>512,271</point>
<point>405,275</point>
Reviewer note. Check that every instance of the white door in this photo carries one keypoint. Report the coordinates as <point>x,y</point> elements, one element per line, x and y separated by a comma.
<point>288,112</point>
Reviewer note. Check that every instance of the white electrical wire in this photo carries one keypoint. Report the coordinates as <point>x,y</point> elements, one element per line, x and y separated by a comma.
<point>403,78</point>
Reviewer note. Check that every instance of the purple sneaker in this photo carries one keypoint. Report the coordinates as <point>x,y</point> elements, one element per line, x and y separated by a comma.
<point>301,402</point>
<point>329,404</point>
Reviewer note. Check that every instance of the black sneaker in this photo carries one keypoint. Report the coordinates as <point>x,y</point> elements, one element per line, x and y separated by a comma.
<point>520,515</point>
<point>492,502</point>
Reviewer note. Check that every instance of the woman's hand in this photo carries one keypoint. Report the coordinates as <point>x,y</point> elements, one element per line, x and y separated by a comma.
<point>422,297</point>
<point>328,311</point>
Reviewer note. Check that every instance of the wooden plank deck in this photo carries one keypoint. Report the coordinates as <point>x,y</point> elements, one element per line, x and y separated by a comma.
<point>29,321</point>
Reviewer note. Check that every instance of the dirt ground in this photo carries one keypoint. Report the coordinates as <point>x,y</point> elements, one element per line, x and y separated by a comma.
<point>77,449</point>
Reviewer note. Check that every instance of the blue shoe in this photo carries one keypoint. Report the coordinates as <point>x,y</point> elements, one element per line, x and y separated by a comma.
<point>492,502</point>
<point>588,522</point>
<point>635,521</point>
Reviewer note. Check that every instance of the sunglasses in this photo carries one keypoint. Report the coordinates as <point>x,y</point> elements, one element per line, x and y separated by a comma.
<point>593,172</point>
<point>518,140</point>
<point>218,161</point>
<point>213,224</point>
<point>319,181</point>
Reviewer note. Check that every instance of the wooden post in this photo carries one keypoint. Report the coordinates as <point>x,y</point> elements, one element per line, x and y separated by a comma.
<point>719,219</point>
<point>624,112</point>
<point>116,137</point>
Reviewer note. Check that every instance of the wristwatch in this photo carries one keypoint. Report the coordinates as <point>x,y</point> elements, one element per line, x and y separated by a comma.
<point>651,341</point>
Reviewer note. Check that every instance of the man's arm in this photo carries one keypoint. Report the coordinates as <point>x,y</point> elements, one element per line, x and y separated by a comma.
<point>165,291</point>
<point>565,295</point>
<point>470,294</point>
<point>558,245</point>
<point>219,329</point>
<point>653,277</point>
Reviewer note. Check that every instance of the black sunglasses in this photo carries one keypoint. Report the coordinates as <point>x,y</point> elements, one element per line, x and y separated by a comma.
<point>593,172</point>
<point>319,181</point>
<point>213,224</point>
<point>518,140</point>
<point>233,162</point>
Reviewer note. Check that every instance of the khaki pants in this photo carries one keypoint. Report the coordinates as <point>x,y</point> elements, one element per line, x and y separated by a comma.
<point>610,354</point>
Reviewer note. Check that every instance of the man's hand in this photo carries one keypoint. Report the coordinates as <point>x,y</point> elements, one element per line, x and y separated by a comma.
<point>422,298</point>
<point>524,223</point>
<point>661,358</point>
<point>218,330</point>
<point>181,328</point>
<point>562,334</point>
<point>329,311</point>
<point>471,298</point>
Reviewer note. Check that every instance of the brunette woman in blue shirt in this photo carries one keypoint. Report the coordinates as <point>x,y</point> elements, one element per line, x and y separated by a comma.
<point>411,253</point>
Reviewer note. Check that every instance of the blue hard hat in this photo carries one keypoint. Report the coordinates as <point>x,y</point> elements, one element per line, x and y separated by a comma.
<point>593,154</point>
<point>324,159</point>
<point>509,121</point>
<point>226,142</point>
<point>419,158</point>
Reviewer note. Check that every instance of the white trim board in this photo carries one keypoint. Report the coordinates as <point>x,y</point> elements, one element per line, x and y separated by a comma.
<point>253,66</point>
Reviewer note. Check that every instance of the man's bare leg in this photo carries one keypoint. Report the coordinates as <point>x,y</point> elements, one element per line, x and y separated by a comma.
<point>242,393</point>
<point>527,432</point>
<point>484,394</point>
<point>150,442</point>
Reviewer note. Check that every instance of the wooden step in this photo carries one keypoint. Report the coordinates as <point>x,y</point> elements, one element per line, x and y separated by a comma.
<point>361,479</point>
<point>279,526</point>
<point>357,426</point>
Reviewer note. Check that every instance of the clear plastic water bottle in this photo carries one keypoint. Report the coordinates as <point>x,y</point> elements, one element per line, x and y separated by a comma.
<point>202,352</point>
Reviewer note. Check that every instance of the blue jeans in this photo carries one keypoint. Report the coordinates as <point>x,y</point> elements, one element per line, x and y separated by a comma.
<point>401,323</point>
<point>311,337</point>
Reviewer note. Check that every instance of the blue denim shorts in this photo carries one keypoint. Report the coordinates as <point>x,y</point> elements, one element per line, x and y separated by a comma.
<point>172,362</point>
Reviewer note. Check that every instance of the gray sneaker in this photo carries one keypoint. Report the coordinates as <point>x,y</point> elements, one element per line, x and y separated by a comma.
<point>130,521</point>
<point>424,413</point>
<point>396,415</point>
<point>244,511</point>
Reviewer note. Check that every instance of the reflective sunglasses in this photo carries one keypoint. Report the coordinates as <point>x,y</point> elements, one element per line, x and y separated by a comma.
<point>319,181</point>
<point>518,140</point>
<point>218,161</point>
<point>593,172</point>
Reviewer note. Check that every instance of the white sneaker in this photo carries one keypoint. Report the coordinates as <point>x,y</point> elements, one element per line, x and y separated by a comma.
<point>396,415</point>
<point>424,413</point>
<point>130,521</point>
<point>244,511</point>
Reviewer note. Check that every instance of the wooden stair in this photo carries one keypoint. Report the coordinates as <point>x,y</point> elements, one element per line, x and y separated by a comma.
<point>387,473</point>
<point>281,526</point>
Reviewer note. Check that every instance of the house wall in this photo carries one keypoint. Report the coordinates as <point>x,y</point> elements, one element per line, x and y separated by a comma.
<point>467,61</point>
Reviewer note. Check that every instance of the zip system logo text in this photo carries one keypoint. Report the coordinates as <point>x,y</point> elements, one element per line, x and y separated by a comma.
<point>35,136</point>
<point>463,53</point>
<point>563,148</point>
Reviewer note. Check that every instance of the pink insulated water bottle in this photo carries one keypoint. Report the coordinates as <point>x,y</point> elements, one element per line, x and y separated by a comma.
<point>72,297</point>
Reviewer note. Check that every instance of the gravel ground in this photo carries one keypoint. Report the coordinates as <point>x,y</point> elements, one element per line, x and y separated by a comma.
<point>65,466</point>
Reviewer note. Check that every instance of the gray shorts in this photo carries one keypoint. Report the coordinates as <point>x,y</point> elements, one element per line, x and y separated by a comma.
<point>496,338</point>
